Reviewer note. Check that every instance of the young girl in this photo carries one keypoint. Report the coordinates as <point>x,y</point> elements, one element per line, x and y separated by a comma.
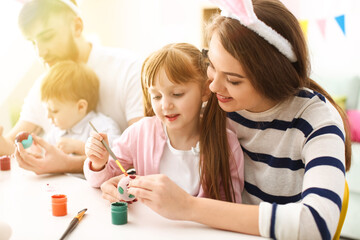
<point>295,144</point>
<point>172,139</point>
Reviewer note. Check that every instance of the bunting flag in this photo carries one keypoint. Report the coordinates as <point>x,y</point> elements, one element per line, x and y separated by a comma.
<point>304,26</point>
<point>341,21</point>
<point>322,23</point>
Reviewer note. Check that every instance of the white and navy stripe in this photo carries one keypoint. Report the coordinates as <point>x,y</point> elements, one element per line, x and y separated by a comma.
<point>294,160</point>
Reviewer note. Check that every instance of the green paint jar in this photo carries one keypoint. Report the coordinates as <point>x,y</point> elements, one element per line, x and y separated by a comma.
<point>119,213</point>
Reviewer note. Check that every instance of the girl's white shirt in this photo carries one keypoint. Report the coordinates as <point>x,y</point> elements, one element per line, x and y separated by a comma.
<point>182,166</point>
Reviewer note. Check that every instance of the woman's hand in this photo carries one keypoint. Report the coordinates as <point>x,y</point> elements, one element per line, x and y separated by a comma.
<point>96,151</point>
<point>162,195</point>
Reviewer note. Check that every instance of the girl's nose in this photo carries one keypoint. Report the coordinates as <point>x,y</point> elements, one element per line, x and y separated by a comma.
<point>166,103</point>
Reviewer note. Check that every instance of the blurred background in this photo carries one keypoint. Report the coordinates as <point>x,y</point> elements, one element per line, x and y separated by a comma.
<point>146,25</point>
<point>331,27</point>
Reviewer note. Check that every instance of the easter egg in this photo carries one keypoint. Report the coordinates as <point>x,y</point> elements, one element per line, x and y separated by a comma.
<point>123,186</point>
<point>24,138</point>
<point>5,230</point>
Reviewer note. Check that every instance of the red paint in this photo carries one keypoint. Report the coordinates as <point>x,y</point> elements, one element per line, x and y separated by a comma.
<point>5,163</point>
<point>21,136</point>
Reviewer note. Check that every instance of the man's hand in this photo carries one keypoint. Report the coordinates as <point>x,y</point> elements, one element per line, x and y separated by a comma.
<point>6,146</point>
<point>53,160</point>
<point>7,142</point>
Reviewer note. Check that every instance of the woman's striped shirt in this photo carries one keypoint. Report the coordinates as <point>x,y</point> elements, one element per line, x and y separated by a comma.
<point>294,166</point>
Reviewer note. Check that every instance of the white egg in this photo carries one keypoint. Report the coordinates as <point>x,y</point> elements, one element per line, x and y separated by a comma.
<point>5,231</point>
<point>122,188</point>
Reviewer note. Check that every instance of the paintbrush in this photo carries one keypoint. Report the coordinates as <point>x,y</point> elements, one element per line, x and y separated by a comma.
<point>74,223</point>
<point>110,151</point>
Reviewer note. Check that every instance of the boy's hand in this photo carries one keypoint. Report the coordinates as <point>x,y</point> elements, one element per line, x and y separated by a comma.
<point>69,145</point>
<point>96,151</point>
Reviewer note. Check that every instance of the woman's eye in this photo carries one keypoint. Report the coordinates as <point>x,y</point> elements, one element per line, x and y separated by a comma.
<point>209,64</point>
<point>232,82</point>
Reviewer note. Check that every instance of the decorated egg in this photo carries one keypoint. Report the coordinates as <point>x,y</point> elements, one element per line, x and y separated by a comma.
<point>123,188</point>
<point>24,138</point>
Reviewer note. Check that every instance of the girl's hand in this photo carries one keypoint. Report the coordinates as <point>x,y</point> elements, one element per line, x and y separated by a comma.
<point>96,151</point>
<point>162,195</point>
<point>109,189</point>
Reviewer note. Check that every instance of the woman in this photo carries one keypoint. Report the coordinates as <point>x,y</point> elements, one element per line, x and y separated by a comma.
<point>293,136</point>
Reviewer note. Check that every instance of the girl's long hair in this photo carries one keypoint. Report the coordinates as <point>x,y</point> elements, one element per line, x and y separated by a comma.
<point>184,63</point>
<point>261,61</point>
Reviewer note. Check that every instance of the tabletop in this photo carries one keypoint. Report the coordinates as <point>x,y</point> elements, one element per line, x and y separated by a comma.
<point>25,204</point>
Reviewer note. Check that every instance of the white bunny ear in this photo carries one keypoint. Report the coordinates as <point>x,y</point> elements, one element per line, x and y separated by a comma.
<point>243,11</point>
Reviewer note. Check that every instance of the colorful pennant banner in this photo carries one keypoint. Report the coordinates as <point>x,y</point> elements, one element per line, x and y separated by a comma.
<point>321,23</point>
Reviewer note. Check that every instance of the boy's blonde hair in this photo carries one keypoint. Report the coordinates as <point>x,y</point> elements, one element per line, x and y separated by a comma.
<point>71,81</point>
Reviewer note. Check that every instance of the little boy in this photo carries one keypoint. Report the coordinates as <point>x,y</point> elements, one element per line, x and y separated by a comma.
<point>70,91</point>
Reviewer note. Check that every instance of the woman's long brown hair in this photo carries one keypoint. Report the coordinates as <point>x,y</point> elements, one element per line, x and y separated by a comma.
<point>270,72</point>
<point>183,63</point>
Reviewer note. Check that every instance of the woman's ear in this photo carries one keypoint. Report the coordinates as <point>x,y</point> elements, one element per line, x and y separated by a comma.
<point>206,91</point>
<point>82,106</point>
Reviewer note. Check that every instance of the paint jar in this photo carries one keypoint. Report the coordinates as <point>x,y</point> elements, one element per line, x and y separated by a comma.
<point>5,163</point>
<point>59,205</point>
<point>119,213</point>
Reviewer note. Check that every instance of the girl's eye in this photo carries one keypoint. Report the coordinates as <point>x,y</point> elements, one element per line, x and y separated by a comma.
<point>156,97</point>
<point>178,94</point>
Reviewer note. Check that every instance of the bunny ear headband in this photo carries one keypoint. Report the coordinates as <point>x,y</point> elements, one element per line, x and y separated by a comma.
<point>243,11</point>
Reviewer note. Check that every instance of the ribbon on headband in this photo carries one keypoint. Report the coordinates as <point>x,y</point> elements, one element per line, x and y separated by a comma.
<point>72,6</point>
<point>243,11</point>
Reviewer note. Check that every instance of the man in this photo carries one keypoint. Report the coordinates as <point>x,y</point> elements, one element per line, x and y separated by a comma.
<point>55,28</point>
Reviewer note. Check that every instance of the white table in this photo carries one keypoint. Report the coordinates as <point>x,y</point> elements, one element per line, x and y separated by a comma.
<point>25,204</point>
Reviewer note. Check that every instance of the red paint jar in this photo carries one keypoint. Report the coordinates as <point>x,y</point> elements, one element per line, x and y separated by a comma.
<point>59,205</point>
<point>5,163</point>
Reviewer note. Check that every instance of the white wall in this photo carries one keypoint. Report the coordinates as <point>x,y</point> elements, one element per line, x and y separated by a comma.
<point>143,25</point>
<point>336,54</point>
<point>146,25</point>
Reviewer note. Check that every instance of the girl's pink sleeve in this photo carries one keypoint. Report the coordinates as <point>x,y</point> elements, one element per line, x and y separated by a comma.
<point>96,178</point>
